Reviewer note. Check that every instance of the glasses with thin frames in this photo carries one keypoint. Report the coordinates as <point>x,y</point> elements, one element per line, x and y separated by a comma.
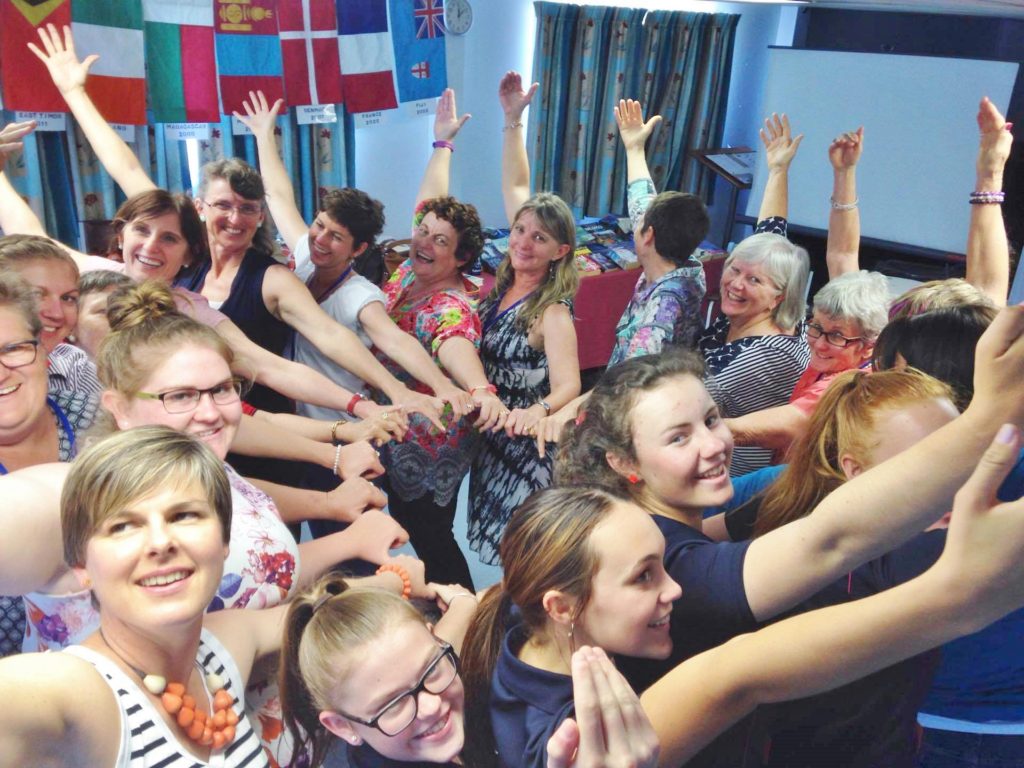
<point>399,713</point>
<point>835,338</point>
<point>187,398</point>
<point>19,353</point>
<point>245,209</point>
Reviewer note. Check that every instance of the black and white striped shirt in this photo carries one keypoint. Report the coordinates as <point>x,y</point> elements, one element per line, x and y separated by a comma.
<point>146,739</point>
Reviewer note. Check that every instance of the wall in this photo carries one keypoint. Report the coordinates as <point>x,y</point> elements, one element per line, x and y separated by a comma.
<point>390,158</point>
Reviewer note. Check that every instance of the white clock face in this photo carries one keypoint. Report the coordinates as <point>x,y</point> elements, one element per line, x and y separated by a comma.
<point>458,16</point>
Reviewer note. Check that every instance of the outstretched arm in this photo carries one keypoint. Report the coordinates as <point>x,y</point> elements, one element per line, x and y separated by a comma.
<point>447,124</point>
<point>261,120</point>
<point>883,507</point>
<point>843,248</point>
<point>16,217</point>
<point>69,75</point>
<point>11,136</point>
<point>772,428</point>
<point>780,149</point>
<point>30,543</point>
<point>515,165</point>
<point>988,255</point>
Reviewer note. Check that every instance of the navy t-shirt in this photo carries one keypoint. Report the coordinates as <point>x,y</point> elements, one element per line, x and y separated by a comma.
<point>527,706</point>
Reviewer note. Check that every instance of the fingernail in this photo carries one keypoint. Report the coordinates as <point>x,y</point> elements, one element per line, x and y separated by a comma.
<point>1006,434</point>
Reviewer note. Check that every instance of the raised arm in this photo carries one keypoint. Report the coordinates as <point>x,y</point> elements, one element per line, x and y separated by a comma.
<point>261,119</point>
<point>780,149</point>
<point>634,132</point>
<point>988,255</point>
<point>883,507</point>
<point>291,301</point>
<point>515,165</point>
<point>69,75</point>
<point>977,580</point>
<point>843,247</point>
<point>447,124</point>
<point>16,217</point>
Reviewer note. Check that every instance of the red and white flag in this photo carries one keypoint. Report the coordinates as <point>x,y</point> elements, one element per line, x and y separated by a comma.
<point>309,48</point>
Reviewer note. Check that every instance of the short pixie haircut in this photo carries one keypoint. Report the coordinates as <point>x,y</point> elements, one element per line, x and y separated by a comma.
<point>788,267</point>
<point>127,466</point>
<point>860,297</point>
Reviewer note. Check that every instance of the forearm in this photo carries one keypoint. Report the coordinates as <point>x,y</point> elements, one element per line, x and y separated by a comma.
<point>294,504</point>
<point>515,166</point>
<point>405,350</point>
<point>843,247</point>
<point>453,624</point>
<point>302,383</point>
<point>636,164</point>
<point>16,217</point>
<point>261,438</point>
<point>313,429</point>
<point>280,193</point>
<point>988,253</point>
<point>436,176</point>
<point>772,428</point>
<point>320,555</point>
<point>775,201</point>
<point>460,358</point>
<point>111,150</point>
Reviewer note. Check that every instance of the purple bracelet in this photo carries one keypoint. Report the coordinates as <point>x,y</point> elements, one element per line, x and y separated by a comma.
<point>985,198</point>
<point>442,144</point>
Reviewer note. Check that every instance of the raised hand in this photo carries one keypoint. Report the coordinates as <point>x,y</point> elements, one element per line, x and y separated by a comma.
<point>780,147</point>
<point>996,139</point>
<point>610,729</point>
<point>11,135</point>
<point>447,122</point>
<point>514,100</point>
<point>999,369</point>
<point>259,117</point>
<point>845,149</point>
<point>66,71</point>
<point>633,131</point>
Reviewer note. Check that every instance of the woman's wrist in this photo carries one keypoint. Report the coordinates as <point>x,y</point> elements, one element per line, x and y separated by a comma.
<point>364,409</point>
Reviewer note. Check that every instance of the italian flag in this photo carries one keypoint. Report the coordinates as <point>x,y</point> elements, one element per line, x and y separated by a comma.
<point>117,82</point>
<point>181,66</point>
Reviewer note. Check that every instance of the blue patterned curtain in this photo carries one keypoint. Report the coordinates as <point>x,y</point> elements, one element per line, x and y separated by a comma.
<point>586,60</point>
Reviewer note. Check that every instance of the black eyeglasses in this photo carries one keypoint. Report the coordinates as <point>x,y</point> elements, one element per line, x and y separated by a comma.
<point>399,713</point>
<point>19,354</point>
<point>187,398</point>
<point>835,338</point>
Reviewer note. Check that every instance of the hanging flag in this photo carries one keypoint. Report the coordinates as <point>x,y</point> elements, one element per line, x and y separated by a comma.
<point>117,81</point>
<point>309,48</point>
<point>26,83</point>
<point>418,27</point>
<point>248,51</point>
<point>181,69</point>
<point>367,60</point>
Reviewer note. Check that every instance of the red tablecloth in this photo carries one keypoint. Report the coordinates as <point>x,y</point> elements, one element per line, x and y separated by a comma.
<point>598,307</point>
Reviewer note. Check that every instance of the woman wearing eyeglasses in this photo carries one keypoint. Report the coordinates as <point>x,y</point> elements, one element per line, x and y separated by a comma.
<point>849,313</point>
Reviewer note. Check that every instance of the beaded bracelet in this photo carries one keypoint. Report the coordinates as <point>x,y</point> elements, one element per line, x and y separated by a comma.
<point>442,144</point>
<point>402,574</point>
<point>351,407</point>
<point>843,206</point>
<point>337,459</point>
<point>513,124</point>
<point>489,387</point>
<point>984,198</point>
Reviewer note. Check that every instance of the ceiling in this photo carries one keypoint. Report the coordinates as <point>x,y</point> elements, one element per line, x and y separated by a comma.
<point>1010,8</point>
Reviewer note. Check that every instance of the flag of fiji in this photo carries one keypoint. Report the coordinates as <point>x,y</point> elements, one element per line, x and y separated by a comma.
<point>418,33</point>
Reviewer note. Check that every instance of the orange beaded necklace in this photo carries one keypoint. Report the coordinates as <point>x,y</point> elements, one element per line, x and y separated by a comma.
<point>216,730</point>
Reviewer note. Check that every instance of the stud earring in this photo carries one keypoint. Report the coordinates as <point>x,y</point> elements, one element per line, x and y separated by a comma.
<point>633,478</point>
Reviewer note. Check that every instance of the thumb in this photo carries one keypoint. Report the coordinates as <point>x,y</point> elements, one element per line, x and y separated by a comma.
<point>980,489</point>
<point>796,141</point>
<point>463,119</point>
<point>563,744</point>
<point>89,60</point>
<point>649,125</point>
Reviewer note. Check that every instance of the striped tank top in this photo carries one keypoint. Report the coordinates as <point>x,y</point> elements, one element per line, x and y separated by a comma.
<point>146,739</point>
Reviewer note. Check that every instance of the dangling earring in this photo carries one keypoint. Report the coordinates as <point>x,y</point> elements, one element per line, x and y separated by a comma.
<point>552,266</point>
<point>572,630</point>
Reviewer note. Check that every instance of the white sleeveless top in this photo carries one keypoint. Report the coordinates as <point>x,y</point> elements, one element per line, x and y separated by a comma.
<point>146,739</point>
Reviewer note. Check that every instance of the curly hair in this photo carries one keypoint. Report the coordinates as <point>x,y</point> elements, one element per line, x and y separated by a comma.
<point>355,210</point>
<point>464,220</point>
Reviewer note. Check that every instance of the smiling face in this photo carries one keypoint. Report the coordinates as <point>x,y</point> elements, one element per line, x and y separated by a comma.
<point>748,292</point>
<point>233,229</point>
<point>331,245</point>
<point>190,365</point>
<point>394,665</point>
<point>531,248</point>
<point>827,358</point>
<point>682,446</point>
<point>154,248</point>
<point>158,561</point>
<point>434,244</point>
<point>23,389</point>
<point>55,284</point>
<point>632,595</point>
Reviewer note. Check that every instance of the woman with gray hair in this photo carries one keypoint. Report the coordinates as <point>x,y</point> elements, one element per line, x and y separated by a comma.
<point>849,313</point>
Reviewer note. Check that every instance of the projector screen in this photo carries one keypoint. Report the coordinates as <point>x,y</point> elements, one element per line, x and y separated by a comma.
<point>920,137</point>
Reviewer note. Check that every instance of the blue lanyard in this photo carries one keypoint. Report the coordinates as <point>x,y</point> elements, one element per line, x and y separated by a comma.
<point>493,316</point>
<point>334,285</point>
<point>65,425</point>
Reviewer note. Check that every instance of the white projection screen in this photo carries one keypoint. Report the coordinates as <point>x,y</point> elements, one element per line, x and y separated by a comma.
<point>920,137</point>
